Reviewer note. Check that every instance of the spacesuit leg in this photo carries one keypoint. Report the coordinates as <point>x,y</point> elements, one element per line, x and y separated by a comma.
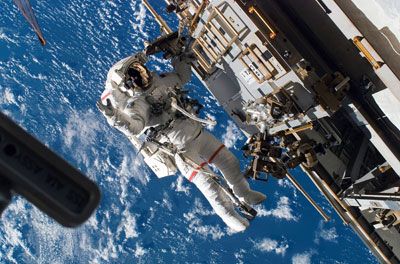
<point>213,192</point>
<point>220,202</point>
<point>212,149</point>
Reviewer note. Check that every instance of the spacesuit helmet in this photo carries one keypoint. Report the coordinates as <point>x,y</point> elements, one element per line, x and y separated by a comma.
<point>137,77</point>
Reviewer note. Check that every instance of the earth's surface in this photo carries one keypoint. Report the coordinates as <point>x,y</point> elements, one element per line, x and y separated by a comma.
<point>51,91</point>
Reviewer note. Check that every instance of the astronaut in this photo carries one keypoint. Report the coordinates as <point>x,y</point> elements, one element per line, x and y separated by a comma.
<point>136,99</point>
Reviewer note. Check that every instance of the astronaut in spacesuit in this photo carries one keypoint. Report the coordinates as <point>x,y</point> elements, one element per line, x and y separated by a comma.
<point>136,99</point>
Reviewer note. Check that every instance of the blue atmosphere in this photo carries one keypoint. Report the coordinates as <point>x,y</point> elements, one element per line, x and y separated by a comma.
<point>52,91</point>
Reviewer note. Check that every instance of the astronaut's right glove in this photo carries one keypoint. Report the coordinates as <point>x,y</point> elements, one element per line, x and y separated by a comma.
<point>187,56</point>
<point>108,110</point>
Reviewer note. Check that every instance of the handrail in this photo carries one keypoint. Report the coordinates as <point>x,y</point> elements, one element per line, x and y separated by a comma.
<point>272,33</point>
<point>199,11</point>
<point>357,41</point>
<point>307,196</point>
<point>160,21</point>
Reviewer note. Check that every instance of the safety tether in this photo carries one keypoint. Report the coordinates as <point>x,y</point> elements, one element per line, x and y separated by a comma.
<point>27,11</point>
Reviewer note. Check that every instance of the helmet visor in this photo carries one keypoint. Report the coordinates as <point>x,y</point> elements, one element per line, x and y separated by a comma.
<point>137,76</point>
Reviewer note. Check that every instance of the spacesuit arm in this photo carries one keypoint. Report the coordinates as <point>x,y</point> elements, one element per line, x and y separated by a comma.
<point>133,119</point>
<point>181,74</point>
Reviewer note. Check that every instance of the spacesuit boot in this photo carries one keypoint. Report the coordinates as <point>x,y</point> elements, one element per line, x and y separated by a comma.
<point>243,191</point>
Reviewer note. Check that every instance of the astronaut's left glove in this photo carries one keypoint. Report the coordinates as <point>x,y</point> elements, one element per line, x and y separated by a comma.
<point>108,110</point>
<point>187,56</point>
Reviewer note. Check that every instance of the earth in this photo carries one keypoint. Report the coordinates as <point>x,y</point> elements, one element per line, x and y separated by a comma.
<point>51,91</point>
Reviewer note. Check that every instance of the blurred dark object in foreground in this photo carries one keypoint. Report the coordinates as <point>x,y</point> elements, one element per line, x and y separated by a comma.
<point>30,169</point>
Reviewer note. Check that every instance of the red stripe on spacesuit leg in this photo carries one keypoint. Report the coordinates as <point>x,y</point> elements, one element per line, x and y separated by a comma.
<point>215,153</point>
<point>195,171</point>
<point>105,96</point>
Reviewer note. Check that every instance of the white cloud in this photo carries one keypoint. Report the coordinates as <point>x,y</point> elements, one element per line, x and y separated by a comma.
<point>45,242</point>
<point>130,161</point>
<point>239,256</point>
<point>140,16</point>
<point>8,38</point>
<point>128,225</point>
<point>282,210</point>
<point>139,251</point>
<point>166,203</point>
<point>284,183</point>
<point>11,237</point>
<point>328,234</point>
<point>270,245</point>
<point>8,97</point>
<point>210,117</point>
<point>194,217</point>
<point>232,135</point>
<point>303,258</point>
<point>180,185</point>
<point>82,130</point>
<point>82,134</point>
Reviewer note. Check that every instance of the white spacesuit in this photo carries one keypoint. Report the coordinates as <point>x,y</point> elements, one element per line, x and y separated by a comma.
<point>147,104</point>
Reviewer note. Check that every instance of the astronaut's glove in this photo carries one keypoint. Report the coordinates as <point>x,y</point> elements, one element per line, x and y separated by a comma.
<point>187,56</point>
<point>108,110</point>
<point>141,56</point>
